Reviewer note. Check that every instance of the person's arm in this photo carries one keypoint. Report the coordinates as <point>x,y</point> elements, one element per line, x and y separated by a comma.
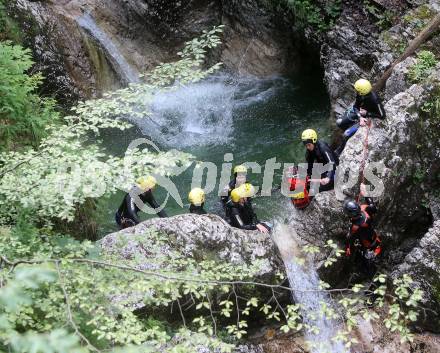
<point>358,102</point>
<point>371,208</point>
<point>149,198</point>
<point>252,212</point>
<point>309,160</point>
<point>329,157</point>
<point>225,198</point>
<point>237,222</point>
<point>131,209</point>
<point>349,240</point>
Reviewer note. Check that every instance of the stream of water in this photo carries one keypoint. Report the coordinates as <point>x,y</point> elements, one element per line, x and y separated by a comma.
<point>126,72</point>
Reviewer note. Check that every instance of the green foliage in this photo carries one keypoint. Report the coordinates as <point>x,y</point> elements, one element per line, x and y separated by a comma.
<point>94,295</point>
<point>69,167</point>
<point>307,13</point>
<point>13,297</point>
<point>189,68</point>
<point>420,71</point>
<point>23,114</point>
<point>419,17</point>
<point>383,19</point>
<point>432,107</point>
<point>9,30</point>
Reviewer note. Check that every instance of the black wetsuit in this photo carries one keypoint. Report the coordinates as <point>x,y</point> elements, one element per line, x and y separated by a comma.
<point>127,212</point>
<point>350,121</point>
<point>372,104</point>
<point>322,153</point>
<point>242,217</point>
<point>197,209</point>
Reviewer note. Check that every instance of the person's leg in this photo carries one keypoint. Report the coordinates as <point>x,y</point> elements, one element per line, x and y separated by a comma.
<point>346,136</point>
<point>345,122</point>
<point>118,219</point>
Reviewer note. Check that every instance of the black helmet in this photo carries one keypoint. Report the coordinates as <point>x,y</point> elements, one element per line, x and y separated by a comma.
<point>352,209</point>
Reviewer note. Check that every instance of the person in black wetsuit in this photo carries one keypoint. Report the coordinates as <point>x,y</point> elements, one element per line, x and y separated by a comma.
<point>319,152</point>
<point>197,201</point>
<point>240,211</point>
<point>367,105</point>
<point>127,214</point>
<point>239,179</point>
<point>362,235</point>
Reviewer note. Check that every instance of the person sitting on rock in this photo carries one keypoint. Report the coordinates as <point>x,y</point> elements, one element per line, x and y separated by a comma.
<point>197,201</point>
<point>367,105</point>
<point>127,214</point>
<point>239,179</point>
<point>240,211</point>
<point>362,235</point>
<point>319,152</point>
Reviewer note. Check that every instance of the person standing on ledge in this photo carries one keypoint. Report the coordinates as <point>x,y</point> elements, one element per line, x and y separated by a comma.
<point>319,152</point>
<point>127,214</point>
<point>366,106</point>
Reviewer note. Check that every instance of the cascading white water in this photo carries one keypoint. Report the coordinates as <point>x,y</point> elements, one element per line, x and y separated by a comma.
<point>306,280</point>
<point>126,72</point>
<point>202,113</point>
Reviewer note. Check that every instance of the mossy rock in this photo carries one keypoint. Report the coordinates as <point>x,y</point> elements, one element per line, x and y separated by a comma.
<point>423,13</point>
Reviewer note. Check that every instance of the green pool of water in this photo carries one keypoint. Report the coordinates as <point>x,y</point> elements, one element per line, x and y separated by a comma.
<point>254,119</point>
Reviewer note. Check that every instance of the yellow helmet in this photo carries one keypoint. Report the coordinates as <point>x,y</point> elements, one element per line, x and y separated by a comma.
<point>248,189</point>
<point>147,183</point>
<point>237,194</point>
<point>196,196</point>
<point>240,169</point>
<point>363,86</point>
<point>309,136</point>
<point>298,195</point>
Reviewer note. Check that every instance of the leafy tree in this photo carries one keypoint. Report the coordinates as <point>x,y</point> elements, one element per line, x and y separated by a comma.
<point>23,114</point>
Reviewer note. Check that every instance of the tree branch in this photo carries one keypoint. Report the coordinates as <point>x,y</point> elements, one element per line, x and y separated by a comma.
<point>69,311</point>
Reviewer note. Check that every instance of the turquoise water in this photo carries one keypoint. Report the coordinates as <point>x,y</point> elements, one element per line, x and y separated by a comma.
<point>254,119</point>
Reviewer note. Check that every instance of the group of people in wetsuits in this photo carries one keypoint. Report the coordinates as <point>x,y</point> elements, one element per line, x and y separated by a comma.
<point>361,239</point>
<point>237,195</point>
<point>236,201</point>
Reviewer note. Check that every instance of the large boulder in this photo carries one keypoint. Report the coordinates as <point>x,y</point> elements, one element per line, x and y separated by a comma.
<point>201,237</point>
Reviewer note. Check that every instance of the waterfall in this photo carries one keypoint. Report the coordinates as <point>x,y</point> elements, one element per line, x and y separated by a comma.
<point>305,279</point>
<point>203,113</point>
<point>125,71</point>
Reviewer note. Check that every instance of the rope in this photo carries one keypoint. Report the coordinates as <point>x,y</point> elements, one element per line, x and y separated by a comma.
<point>364,159</point>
